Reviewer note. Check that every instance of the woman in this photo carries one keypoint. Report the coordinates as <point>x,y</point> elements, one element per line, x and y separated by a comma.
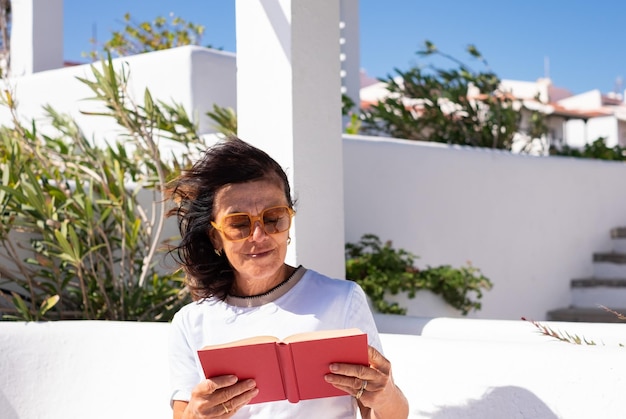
<point>234,209</point>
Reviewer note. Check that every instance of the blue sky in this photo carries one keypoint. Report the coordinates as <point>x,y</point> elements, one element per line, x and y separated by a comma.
<point>583,42</point>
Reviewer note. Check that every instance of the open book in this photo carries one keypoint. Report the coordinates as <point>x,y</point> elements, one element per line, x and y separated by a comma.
<point>291,369</point>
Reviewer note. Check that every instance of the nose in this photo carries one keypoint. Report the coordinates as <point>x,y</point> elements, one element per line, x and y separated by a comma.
<point>258,232</point>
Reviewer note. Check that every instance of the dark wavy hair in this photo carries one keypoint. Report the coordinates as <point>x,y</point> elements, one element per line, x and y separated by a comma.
<point>229,161</point>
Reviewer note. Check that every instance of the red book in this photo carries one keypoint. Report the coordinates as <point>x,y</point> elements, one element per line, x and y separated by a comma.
<point>291,369</point>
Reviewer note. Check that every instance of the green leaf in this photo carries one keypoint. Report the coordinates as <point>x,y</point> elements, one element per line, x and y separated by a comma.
<point>21,307</point>
<point>48,304</point>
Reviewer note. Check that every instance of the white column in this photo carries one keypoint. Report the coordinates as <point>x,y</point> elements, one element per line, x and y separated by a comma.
<point>36,36</point>
<point>350,52</point>
<point>289,104</point>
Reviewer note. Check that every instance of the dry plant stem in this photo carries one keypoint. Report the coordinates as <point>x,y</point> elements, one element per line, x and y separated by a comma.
<point>109,261</point>
<point>563,337</point>
<point>143,135</point>
<point>101,285</point>
<point>618,315</point>
<point>83,290</point>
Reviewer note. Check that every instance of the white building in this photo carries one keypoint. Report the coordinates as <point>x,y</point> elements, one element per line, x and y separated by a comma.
<point>574,120</point>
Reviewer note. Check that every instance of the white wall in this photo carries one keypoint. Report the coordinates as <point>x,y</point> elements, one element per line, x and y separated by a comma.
<point>468,379</point>
<point>527,89</point>
<point>590,100</point>
<point>192,76</point>
<point>105,369</point>
<point>530,224</point>
<point>621,132</point>
<point>599,334</point>
<point>84,369</point>
<point>576,133</point>
<point>556,132</point>
<point>606,127</point>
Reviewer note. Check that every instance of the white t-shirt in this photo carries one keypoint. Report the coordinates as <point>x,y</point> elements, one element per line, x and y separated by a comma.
<point>315,302</point>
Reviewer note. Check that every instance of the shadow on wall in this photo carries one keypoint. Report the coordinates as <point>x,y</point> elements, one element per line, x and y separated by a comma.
<point>498,403</point>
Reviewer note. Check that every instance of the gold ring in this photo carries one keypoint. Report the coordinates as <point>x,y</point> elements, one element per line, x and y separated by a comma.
<point>361,390</point>
<point>226,411</point>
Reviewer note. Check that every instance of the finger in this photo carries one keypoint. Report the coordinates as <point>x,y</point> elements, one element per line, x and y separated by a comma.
<point>240,400</point>
<point>352,370</point>
<point>210,385</point>
<point>225,401</point>
<point>352,375</point>
<point>352,384</point>
<point>378,361</point>
<point>357,392</point>
<point>235,390</point>
<point>223,410</point>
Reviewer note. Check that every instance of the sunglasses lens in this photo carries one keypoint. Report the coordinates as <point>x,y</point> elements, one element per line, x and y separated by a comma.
<point>236,226</point>
<point>276,220</point>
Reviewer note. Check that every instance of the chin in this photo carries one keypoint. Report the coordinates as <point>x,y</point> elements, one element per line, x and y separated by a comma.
<point>261,266</point>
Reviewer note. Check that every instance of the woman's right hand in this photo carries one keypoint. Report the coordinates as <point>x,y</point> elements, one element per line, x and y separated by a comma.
<point>216,397</point>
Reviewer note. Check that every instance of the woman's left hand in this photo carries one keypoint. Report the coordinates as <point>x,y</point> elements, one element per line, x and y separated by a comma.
<point>372,386</point>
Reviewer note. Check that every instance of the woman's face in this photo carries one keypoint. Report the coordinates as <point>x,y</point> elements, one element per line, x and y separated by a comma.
<point>261,256</point>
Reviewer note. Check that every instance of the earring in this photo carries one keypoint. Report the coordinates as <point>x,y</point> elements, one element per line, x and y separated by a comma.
<point>288,241</point>
<point>218,252</point>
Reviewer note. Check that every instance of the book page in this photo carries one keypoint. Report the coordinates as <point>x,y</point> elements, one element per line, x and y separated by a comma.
<point>299,337</point>
<point>322,334</point>
<point>243,342</point>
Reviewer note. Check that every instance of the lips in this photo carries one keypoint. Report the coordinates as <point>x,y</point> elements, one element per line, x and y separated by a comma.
<point>260,253</point>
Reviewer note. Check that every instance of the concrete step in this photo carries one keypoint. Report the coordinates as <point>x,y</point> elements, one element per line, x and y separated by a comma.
<point>618,236</point>
<point>609,265</point>
<point>593,292</point>
<point>606,288</point>
<point>586,314</point>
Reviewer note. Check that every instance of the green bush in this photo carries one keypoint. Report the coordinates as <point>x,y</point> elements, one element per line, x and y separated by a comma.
<point>381,269</point>
<point>455,105</point>
<point>77,242</point>
<point>595,150</point>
